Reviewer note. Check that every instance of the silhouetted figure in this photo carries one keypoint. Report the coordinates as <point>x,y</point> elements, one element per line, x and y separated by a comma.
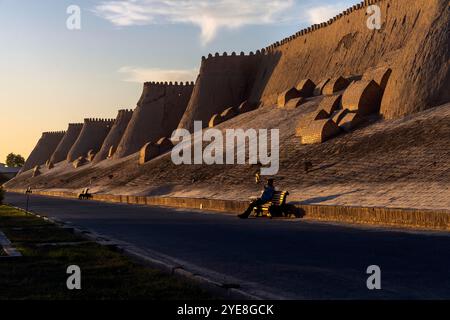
<point>266,196</point>
<point>85,195</point>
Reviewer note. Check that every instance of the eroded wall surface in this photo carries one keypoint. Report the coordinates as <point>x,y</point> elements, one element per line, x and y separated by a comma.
<point>115,135</point>
<point>63,148</point>
<point>157,114</point>
<point>413,41</point>
<point>44,149</point>
<point>224,81</point>
<point>91,137</point>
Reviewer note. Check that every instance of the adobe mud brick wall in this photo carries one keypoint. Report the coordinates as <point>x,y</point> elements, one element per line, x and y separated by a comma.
<point>91,137</point>
<point>157,115</point>
<point>413,41</point>
<point>44,149</point>
<point>224,81</point>
<point>115,135</point>
<point>63,148</point>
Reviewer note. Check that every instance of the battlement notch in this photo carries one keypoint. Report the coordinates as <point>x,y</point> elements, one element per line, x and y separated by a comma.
<point>48,133</point>
<point>98,120</point>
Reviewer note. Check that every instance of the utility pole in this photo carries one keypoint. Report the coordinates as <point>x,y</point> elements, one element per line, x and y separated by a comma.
<point>28,192</point>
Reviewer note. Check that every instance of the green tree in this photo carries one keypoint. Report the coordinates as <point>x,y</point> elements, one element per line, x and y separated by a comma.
<point>15,160</point>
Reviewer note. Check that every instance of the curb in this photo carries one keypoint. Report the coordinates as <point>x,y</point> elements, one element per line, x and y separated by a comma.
<point>233,291</point>
<point>7,247</point>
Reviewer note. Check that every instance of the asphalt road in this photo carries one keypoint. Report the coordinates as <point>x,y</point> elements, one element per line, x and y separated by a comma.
<point>291,259</point>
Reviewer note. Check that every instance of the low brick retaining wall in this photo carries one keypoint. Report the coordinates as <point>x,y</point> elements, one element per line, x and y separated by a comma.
<point>394,217</point>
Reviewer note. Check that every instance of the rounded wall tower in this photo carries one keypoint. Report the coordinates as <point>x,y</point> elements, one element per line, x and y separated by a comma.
<point>63,148</point>
<point>43,150</point>
<point>157,114</point>
<point>224,81</point>
<point>115,135</point>
<point>91,137</point>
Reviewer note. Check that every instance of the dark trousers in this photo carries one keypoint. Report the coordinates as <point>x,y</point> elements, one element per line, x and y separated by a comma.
<point>256,203</point>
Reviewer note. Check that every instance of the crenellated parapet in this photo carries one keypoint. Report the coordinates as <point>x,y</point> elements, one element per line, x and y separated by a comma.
<point>124,112</point>
<point>225,80</point>
<point>226,62</point>
<point>112,140</point>
<point>66,142</point>
<point>49,133</point>
<point>153,91</point>
<point>345,46</point>
<point>76,125</point>
<point>123,115</point>
<point>226,56</point>
<point>360,6</point>
<point>98,120</point>
<point>91,137</point>
<point>162,104</point>
<point>44,149</point>
<point>170,84</point>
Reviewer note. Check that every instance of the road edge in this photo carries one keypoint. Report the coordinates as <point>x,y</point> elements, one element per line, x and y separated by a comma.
<point>418,219</point>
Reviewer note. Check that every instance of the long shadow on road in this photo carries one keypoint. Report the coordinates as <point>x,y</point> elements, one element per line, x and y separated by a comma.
<point>294,259</point>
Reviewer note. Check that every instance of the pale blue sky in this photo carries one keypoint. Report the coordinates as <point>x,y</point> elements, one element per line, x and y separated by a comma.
<point>50,76</point>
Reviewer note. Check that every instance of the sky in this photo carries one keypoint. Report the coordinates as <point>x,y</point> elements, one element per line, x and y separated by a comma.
<point>51,75</point>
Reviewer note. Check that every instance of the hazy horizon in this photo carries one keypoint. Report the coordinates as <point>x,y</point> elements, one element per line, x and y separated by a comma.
<point>51,76</point>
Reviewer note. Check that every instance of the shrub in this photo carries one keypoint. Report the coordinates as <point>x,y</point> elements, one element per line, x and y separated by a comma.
<point>15,160</point>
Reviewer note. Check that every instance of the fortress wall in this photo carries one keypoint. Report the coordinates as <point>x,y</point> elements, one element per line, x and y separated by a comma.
<point>424,65</point>
<point>43,149</point>
<point>91,137</point>
<point>63,148</point>
<point>157,114</point>
<point>224,81</point>
<point>413,41</point>
<point>115,135</point>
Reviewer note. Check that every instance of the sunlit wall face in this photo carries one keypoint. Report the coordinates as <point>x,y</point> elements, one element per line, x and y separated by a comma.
<point>51,75</point>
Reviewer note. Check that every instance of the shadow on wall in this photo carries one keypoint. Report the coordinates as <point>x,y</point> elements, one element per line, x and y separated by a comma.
<point>265,71</point>
<point>226,81</point>
<point>317,200</point>
<point>3,179</point>
<point>162,105</point>
<point>161,190</point>
<point>326,166</point>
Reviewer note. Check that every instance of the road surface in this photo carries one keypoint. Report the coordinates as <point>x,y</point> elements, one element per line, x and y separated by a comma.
<point>290,259</point>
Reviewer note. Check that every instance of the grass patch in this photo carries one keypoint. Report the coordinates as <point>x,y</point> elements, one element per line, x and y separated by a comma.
<point>105,274</point>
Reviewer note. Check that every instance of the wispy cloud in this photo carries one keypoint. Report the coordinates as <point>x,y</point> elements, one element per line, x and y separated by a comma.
<point>209,15</point>
<point>140,75</point>
<point>319,14</point>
